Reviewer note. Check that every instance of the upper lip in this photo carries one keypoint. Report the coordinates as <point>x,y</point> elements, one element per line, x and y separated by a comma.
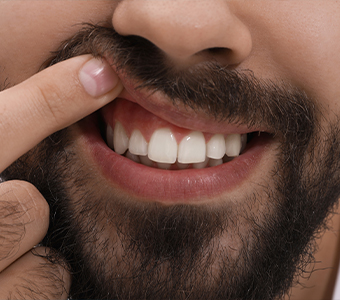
<point>179,115</point>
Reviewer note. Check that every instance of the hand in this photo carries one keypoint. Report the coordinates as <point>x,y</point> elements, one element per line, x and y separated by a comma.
<point>29,112</point>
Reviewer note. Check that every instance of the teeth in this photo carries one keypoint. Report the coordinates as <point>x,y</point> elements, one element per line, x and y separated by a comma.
<point>201,165</point>
<point>163,146</point>
<point>216,147</point>
<point>120,139</point>
<point>138,144</point>
<point>215,162</point>
<point>192,148</point>
<point>243,141</point>
<point>233,145</point>
<point>109,136</point>
<point>226,159</point>
<point>182,166</point>
<point>133,157</point>
<point>146,161</point>
<point>163,151</point>
<point>163,166</point>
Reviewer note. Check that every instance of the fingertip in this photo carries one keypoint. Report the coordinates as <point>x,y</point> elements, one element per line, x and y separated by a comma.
<point>53,99</point>
<point>98,77</point>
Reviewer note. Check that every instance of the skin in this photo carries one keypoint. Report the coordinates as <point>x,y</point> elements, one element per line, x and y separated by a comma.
<point>295,41</point>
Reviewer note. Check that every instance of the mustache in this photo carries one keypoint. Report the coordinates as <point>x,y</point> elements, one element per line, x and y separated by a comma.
<point>225,94</point>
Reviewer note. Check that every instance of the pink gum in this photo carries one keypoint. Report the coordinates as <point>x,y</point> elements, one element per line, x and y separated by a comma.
<point>132,116</point>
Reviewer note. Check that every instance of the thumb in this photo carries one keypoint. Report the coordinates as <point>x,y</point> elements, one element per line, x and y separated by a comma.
<point>51,100</point>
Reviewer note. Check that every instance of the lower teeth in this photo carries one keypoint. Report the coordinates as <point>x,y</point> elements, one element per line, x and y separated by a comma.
<point>209,162</point>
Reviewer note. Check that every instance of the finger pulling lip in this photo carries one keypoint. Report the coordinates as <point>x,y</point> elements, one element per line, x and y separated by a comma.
<point>173,186</point>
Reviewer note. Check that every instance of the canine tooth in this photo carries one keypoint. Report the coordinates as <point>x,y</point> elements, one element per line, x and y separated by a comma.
<point>201,165</point>
<point>215,162</point>
<point>243,142</point>
<point>216,146</point>
<point>120,139</point>
<point>146,161</point>
<point>233,145</point>
<point>133,157</point>
<point>138,144</point>
<point>164,166</point>
<point>109,136</point>
<point>192,148</point>
<point>163,146</point>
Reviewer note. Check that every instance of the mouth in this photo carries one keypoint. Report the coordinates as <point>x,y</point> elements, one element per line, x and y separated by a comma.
<point>149,149</point>
<point>139,135</point>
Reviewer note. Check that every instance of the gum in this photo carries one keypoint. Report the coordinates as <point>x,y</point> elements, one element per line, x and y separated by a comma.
<point>132,116</point>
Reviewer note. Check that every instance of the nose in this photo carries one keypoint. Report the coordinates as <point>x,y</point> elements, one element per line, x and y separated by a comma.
<point>186,29</point>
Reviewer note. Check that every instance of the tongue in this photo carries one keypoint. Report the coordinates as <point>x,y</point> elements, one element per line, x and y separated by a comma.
<point>132,116</point>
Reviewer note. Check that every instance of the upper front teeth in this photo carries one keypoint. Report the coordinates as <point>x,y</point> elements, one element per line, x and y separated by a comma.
<point>192,148</point>
<point>163,148</point>
<point>233,145</point>
<point>120,139</point>
<point>216,146</point>
<point>138,144</point>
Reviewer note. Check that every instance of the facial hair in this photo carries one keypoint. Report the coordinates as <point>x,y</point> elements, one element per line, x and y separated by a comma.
<point>118,248</point>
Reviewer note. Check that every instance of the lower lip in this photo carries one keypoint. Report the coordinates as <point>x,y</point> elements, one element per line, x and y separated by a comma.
<point>157,185</point>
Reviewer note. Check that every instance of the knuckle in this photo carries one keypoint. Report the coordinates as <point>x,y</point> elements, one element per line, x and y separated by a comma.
<point>25,197</point>
<point>41,283</point>
<point>20,205</point>
<point>47,279</point>
<point>34,201</point>
<point>12,228</point>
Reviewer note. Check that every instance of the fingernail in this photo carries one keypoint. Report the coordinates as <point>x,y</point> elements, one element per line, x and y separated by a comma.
<point>97,77</point>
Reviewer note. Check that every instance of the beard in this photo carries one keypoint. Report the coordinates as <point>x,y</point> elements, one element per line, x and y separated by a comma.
<point>253,248</point>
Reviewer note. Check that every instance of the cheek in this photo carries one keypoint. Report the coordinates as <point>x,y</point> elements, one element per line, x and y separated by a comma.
<point>299,42</point>
<point>310,54</point>
<point>32,29</point>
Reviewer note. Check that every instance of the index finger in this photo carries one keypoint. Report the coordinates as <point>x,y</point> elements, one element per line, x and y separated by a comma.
<point>51,100</point>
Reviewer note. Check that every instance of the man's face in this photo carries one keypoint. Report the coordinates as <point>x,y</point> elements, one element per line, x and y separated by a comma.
<point>233,226</point>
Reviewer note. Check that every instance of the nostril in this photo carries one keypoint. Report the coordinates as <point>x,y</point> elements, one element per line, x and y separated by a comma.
<point>222,55</point>
<point>218,50</point>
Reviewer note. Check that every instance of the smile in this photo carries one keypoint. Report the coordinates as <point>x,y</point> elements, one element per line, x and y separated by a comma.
<point>156,143</point>
<point>143,152</point>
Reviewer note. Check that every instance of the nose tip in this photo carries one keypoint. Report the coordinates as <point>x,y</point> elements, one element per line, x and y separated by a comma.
<point>185,29</point>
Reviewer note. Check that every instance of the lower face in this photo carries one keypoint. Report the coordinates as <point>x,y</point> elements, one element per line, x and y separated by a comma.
<point>237,226</point>
<point>244,241</point>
